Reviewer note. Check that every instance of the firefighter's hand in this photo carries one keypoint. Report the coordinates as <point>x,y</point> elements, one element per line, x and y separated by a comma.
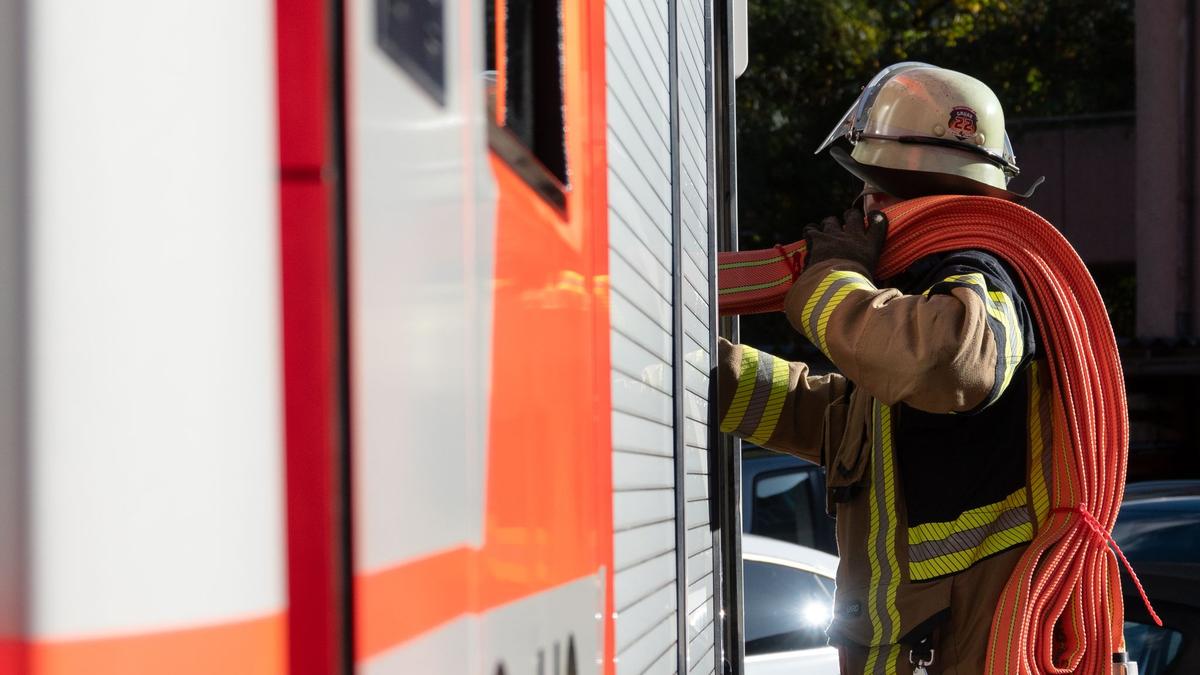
<point>849,241</point>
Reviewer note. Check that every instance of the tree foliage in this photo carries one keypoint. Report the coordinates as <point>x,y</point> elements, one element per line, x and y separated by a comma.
<point>810,58</point>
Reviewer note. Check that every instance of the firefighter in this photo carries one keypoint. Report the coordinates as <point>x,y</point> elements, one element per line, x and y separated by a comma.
<point>933,430</point>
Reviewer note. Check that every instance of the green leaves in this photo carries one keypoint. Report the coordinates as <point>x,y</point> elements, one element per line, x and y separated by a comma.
<point>810,58</point>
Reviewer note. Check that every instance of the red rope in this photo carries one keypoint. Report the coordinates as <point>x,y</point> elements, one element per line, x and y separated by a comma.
<point>1105,538</point>
<point>1064,588</point>
<point>795,266</point>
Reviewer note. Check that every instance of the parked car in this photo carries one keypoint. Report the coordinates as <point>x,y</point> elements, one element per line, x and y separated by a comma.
<point>1158,529</point>
<point>787,605</point>
<point>783,497</point>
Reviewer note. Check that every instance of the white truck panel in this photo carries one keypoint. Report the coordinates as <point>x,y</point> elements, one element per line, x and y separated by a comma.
<point>632,433</point>
<point>632,584</point>
<point>639,619</point>
<point>635,471</point>
<point>536,634</point>
<point>421,229</point>
<point>699,565</point>
<point>637,544</point>
<point>652,652</point>
<point>644,507</point>
<point>451,648</point>
<point>154,448</point>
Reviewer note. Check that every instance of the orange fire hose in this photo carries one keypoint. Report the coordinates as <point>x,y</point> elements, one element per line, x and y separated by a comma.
<point>1061,611</point>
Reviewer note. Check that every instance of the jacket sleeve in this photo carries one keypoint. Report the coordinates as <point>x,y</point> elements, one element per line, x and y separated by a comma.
<point>776,403</point>
<point>953,348</point>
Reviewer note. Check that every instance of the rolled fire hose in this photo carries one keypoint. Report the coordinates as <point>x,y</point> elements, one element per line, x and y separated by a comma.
<point>1061,610</point>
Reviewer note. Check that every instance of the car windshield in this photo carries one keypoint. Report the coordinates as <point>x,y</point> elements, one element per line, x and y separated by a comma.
<point>781,507</point>
<point>1160,530</point>
<point>785,608</point>
<point>1154,649</point>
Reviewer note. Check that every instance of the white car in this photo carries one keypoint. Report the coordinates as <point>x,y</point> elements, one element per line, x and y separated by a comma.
<point>788,604</point>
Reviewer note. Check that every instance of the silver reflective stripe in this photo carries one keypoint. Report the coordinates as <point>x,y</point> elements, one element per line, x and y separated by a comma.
<point>968,540</point>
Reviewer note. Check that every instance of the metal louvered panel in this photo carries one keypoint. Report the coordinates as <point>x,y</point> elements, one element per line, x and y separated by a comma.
<point>641,315</point>
<point>694,157</point>
<point>660,158</point>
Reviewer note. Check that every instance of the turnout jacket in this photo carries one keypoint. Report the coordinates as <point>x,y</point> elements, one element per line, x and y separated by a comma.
<point>935,439</point>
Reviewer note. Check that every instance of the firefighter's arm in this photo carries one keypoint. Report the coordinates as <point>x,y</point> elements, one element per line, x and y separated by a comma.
<point>775,403</point>
<point>953,348</point>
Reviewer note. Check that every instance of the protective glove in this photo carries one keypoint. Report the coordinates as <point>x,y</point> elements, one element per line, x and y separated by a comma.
<point>849,241</point>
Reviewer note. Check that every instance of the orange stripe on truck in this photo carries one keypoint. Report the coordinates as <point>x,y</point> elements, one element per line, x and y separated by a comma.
<point>250,647</point>
<point>399,603</point>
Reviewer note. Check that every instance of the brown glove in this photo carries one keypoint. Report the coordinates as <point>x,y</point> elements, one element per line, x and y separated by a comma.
<point>850,241</point>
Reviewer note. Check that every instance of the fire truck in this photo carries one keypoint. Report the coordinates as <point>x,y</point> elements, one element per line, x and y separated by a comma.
<point>365,336</point>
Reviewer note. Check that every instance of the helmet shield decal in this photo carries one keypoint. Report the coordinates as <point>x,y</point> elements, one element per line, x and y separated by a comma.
<point>963,122</point>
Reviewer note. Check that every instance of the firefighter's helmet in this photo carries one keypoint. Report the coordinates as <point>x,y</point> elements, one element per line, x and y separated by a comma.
<point>917,130</point>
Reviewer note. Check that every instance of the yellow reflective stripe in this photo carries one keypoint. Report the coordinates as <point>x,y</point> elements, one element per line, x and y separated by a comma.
<point>976,517</point>
<point>1000,307</point>
<point>1037,477</point>
<point>973,536</point>
<point>973,278</point>
<point>883,521</point>
<point>1014,343</point>
<point>961,560</point>
<point>872,660</point>
<point>811,306</point>
<point>895,658</point>
<point>823,320</point>
<point>873,525</point>
<point>889,477</point>
<point>745,387</point>
<point>818,309</point>
<point>770,416</point>
<point>883,660</point>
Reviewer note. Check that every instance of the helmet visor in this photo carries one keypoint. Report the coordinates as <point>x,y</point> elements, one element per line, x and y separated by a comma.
<point>855,119</point>
<point>1010,158</point>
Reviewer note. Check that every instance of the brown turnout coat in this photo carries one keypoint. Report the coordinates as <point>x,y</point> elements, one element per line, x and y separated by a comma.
<point>952,350</point>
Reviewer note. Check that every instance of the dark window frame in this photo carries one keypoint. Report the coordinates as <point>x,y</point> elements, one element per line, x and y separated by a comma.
<point>532,137</point>
<point>810,502</point>
<point>412,34</point>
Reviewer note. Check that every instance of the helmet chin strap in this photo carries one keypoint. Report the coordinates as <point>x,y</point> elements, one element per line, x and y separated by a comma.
<point>883,198</point>
<point>867,189</point>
